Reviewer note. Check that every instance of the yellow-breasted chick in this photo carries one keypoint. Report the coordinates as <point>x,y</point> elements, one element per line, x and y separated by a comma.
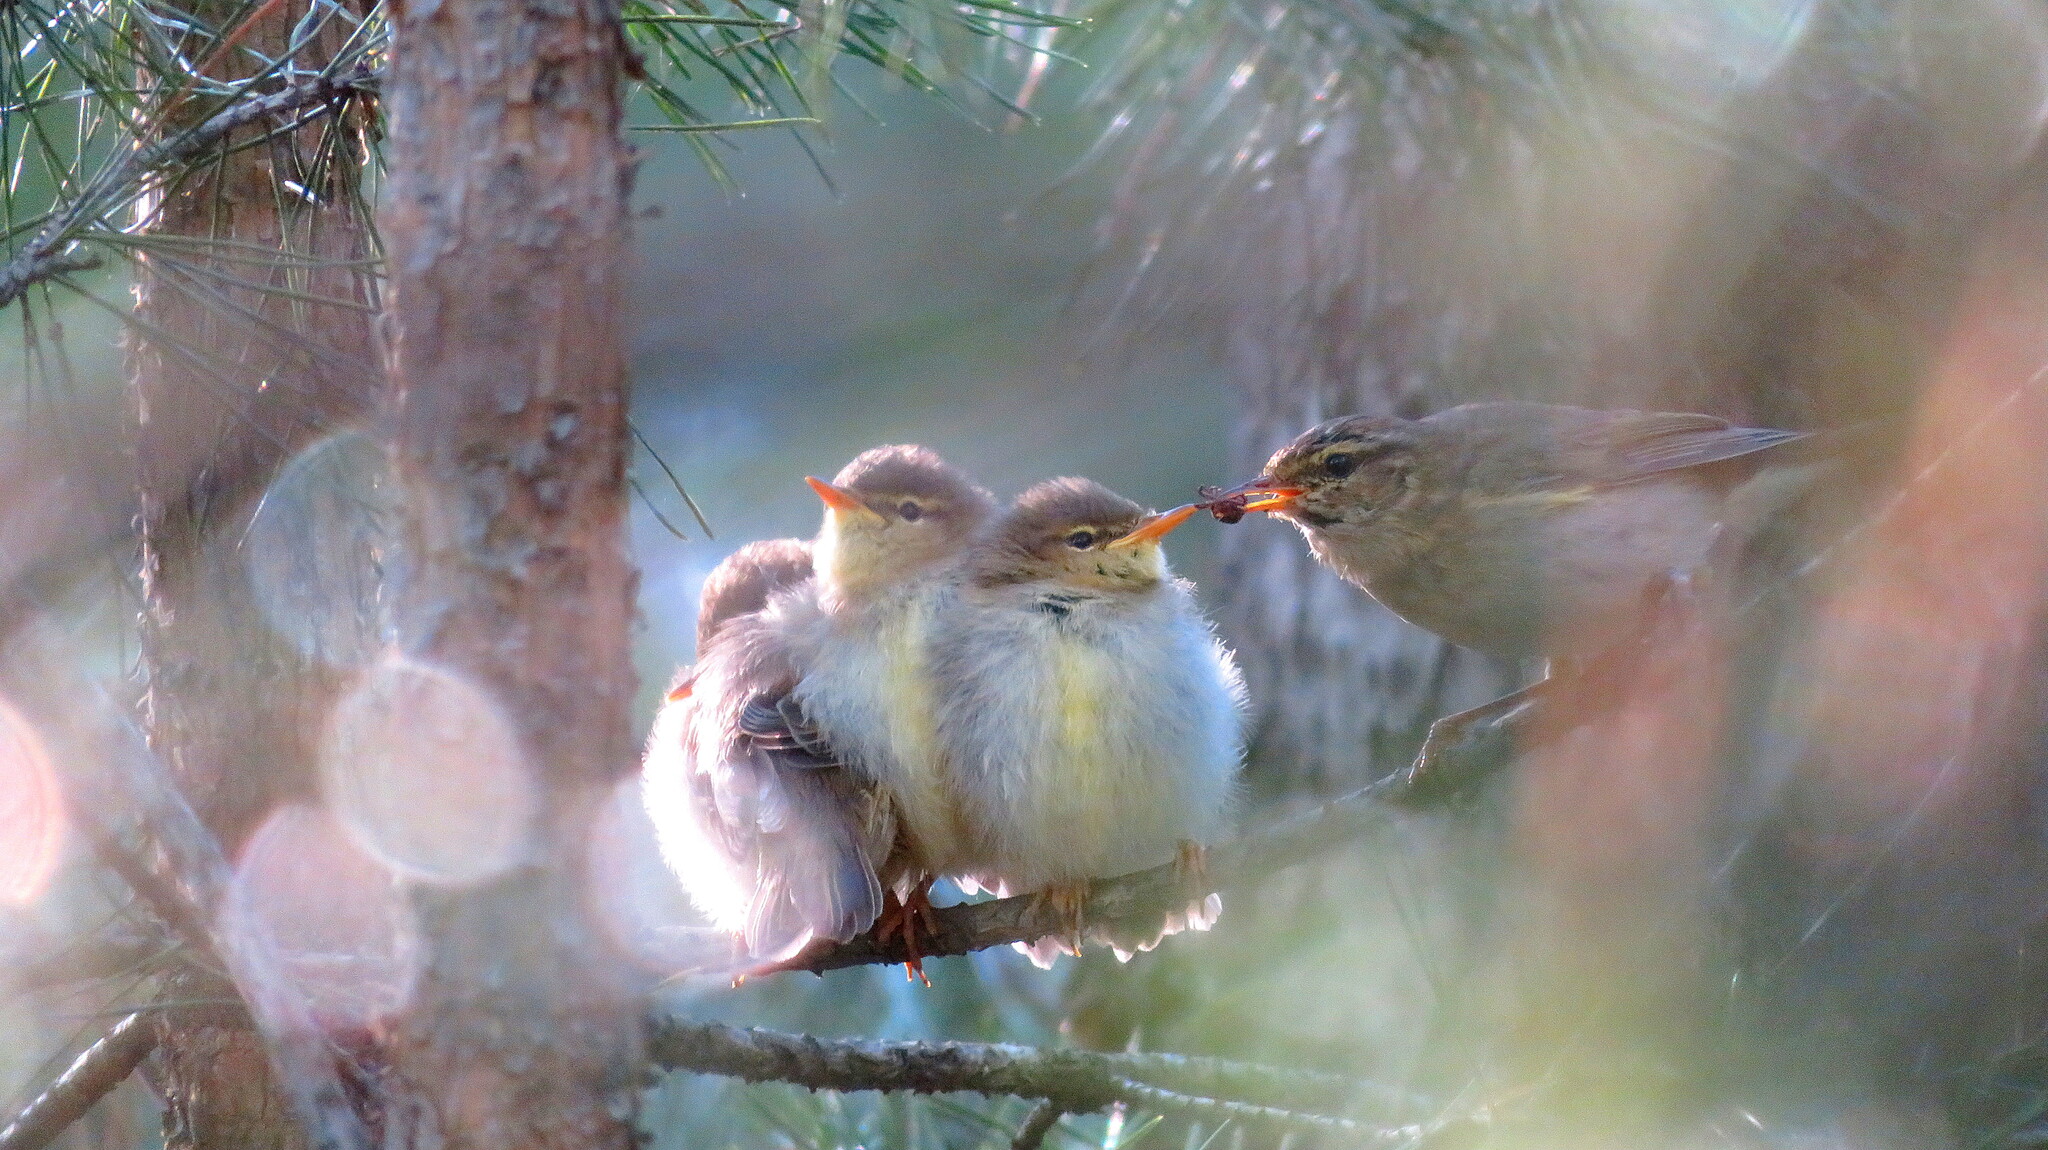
<point>792,779</point>
<point>1091,719</point>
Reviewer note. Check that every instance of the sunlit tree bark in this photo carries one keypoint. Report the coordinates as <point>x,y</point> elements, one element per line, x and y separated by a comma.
<point>507,228</point>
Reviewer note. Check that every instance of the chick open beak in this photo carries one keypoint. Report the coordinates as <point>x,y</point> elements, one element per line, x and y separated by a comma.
<point>1154,527</point>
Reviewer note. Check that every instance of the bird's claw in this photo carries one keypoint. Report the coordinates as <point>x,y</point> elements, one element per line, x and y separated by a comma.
<point>1191,866</point>
<point>907,917</point>
<point>1434,774</point>
<point>1067,900</point>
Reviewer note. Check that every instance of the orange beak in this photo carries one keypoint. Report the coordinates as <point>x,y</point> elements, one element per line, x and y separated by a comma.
<point>1266,495</point>
<point>1273,498</point>
<point>1155,527</point>
<point>680,691</point>
<point>837,498</point>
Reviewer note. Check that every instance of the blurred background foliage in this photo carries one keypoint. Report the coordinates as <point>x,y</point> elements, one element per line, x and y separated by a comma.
<point>1220,222</point>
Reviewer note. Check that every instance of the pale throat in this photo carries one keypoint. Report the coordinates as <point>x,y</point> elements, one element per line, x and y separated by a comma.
<point>848,572</point>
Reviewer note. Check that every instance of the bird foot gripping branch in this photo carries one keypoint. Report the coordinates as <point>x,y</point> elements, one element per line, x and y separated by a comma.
<point>907,918</point>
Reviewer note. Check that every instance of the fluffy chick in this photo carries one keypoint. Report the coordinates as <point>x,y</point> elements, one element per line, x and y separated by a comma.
<point>777,775</point>
<point>1090,717</point>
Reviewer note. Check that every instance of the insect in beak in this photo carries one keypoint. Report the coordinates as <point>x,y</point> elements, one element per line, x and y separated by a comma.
<point>1272,498</point>
<point>1260,494</point>
<point>1154,527</point>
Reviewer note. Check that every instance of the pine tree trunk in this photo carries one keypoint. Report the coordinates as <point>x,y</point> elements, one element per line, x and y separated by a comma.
<point>237,380</point>
<point>507,227</point>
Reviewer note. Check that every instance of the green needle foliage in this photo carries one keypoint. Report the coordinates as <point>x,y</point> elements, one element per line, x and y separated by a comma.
<point>105,102</point>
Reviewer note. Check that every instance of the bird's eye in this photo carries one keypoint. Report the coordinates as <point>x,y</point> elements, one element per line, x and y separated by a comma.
<point>1081,540</point>
<point>909,512</point>
<point>1339,464</point>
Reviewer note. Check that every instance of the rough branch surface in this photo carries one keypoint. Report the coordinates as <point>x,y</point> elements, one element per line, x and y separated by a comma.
<point>1074,1081</point>
<point>1147,897</point>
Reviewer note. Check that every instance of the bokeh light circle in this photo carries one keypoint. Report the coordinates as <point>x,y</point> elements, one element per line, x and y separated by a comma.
<point>31,810</point>
<point>426,772</point>
<point>321,550</point>
<point>632,893</point>
<point>339,924</point>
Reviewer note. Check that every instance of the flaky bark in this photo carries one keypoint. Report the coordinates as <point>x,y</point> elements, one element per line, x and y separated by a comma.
<point>506,224</point>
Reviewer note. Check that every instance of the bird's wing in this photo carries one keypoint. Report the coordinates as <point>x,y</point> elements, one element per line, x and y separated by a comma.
<point>1627,446</point>
<point>808,827</point>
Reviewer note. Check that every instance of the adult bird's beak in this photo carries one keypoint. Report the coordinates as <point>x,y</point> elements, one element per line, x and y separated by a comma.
<point>1154,527</point>
<point>1266,495</point>
<point>839,499</point>
<point>1273,498</point>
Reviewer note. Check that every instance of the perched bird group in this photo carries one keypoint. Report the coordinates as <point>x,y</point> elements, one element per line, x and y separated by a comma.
<point>1026,699</point>
<point>1021,699</point>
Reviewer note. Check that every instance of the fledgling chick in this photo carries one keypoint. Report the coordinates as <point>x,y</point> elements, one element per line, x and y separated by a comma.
<point>897,518</point>
<point>787,802</point>
<point>742,583</point>
<point>773,841</point>
<point>1091,719</point>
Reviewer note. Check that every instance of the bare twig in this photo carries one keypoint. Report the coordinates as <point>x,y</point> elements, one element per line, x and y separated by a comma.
<point>51,252</point>
<point>1070,1081</point>
<point>1037,1125</point>
<point>104,1065</point>
<point>188,885</point>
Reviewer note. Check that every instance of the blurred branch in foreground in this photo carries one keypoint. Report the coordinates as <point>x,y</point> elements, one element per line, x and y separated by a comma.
<point>90,1078</point>
<point>1073,1080</point>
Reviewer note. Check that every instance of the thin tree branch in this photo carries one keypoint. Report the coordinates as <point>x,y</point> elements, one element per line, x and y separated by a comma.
<point>1072,1081</point>
<point>1134,902</point>
<point>50,253</point>
<point>190,884</point>
<point>1160,1098</point>
<point>103,1066</point>
<point>1037,1125</point>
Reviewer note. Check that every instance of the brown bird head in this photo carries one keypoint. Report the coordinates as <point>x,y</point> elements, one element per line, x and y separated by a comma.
<point>1080,533</point>
<point>890,515</point>
<point>1357,468</point>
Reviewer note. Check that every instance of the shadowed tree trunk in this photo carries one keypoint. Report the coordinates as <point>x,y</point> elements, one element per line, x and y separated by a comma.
<point>235,378</point>
<point>507,227</point>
